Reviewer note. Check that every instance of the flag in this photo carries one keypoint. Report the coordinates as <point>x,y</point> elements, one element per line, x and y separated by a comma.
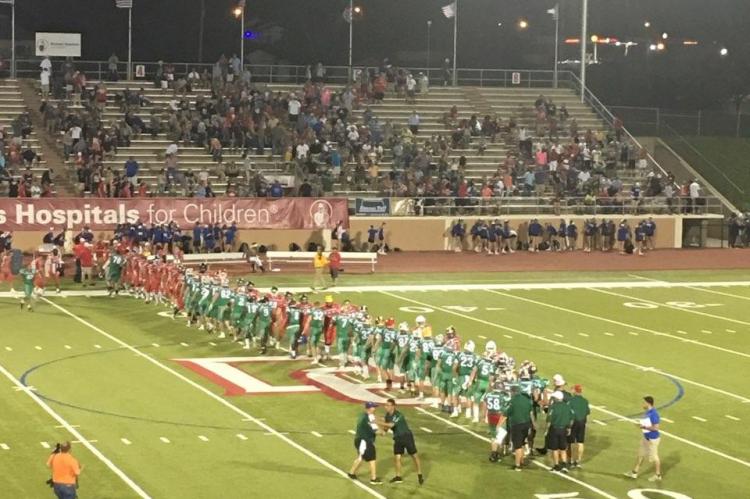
<point>124,4</point>
<point>449,10</point>
<point>555,12</point>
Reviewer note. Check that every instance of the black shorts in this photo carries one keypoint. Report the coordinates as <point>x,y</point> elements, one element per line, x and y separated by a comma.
<point>518,434</point>
<point>577,432</point>
<point>557,439</point>
<point>365,448</point>
<point>334,273</point>
<point>403,443</point>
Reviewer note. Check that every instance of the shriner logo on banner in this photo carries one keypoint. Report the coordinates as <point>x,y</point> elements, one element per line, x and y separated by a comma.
<point>247,213</point>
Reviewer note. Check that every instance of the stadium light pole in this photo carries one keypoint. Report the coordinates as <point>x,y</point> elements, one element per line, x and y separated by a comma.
<point>429,26</point>
<point>455,44</point>
<point>351,39</point>
<point>12,4</point>
<point>584,37</point>
<point>239,13</point>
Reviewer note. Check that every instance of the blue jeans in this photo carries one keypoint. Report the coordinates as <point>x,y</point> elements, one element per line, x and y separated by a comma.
<point>65,491</point>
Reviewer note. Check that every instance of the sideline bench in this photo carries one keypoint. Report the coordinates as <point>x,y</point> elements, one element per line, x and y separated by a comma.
<point>307,256</point>
<point>198,258</point>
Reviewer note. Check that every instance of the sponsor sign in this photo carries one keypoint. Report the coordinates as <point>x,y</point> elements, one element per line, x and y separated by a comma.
<point>58,44</point>
<point>372,206</point>
<point>247,213</point>
<point>515,78</point>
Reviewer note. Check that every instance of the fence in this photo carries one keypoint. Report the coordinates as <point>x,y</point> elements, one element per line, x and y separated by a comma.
<point>650,121</point>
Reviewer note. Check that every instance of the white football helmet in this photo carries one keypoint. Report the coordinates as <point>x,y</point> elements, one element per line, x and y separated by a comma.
<point>420,319</point>
<point>490,347</point>
<point>404,326</point>
<point>439,339</point>
<point>470,346</point>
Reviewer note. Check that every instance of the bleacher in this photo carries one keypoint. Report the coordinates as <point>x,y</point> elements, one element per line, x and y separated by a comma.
<point>11,105</point>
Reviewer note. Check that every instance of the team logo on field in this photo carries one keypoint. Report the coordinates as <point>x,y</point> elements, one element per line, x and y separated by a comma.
<point>337,383</point>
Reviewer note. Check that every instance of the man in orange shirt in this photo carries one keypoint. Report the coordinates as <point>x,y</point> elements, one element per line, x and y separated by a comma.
<point>65,472</point>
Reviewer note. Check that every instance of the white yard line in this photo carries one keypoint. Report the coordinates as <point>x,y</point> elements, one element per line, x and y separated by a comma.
<point>9,349</point>
<point>315,433</point>
<point>164,439</point>
<point>38,347</point>
<point>4,447</point>
<point>609,334</point>
<point>68,347</point>
<point>733,418</point>
<point>698,418</point>
<point>537,463</point>
<point>203,438</point>
<point>721,293</point>
<point>620,323</point>
<point>601,423</point>
<point>125,441</point>
<point>683,309</point>
<point>184,344</point>
<point>45,445</point>
<point>662,418</point>
<point>583,334</point>
<point>567,345</point>
<point>117,471</point>
<point>220,400</point>
<point>241,436</point>
<point>425,429</point>
<point>352,432</point>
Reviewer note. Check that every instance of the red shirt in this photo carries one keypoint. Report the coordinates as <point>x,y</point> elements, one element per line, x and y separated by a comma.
<point>84,254</point>
<point>334,259</point>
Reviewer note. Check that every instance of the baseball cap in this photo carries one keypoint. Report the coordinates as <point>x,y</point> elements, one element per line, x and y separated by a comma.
<point>649,399</point>
<point>578,388</point>
<point>558,380</point>
<point>370,405</point>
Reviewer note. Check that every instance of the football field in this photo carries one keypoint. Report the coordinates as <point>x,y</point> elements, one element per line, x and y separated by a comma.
<point>161,410</point>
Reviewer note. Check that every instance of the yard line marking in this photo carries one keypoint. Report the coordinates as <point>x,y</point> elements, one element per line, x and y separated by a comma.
<point>541,465</point>
<point>164,439</point>
<point>155,345</point>
<point>679,439</point>
<point>9,349</point>
<point>508,336</point>
<point>219,399</point>
<point>68,347</point>
<point>97,346</point>
<point>184,344</point>
<point>583,334</point>
<point>273,433</point>
<point>4,447</point>
<point>730,331</point>
<point>241,436</point>
<point>352,432</point>
<point>72,426</point>
<point>722,293</point>
<point>38,347</point>
<point>731,417</point>
<point>681,331</point>
<point>212,343</point>
<point>706,331</point>
<point>78,441</point>
<point>664,419</point>
<point>608,334</point>
<point>482,337</point>
<point>425,429</point>
<point>688,310</point>
<point>203,438</point>
<point>567,345</point>
<point>633,333</point>
<point>317,434</point>
<point>45,445</point>
<point>698,418</point>
<point>619,323</point>
<point>125,441</point>
<point>559,335</point>
<point>601,423</point>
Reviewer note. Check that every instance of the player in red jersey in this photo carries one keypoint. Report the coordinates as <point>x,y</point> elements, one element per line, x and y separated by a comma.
<point>53,268</point>
<point>5,274</point>
<point>38,263</point>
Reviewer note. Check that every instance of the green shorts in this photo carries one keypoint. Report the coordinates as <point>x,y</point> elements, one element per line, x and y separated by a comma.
<point>292,331</point>
<point>464,392</point>
<point>315,334</point>
<point>445,383</point>
<point>342,344</point>
<point>28,289</point>
<point>262,327</point>
<point>480,389</point>
<point>416,371</point>
<point>385,359</point>
<point>114,276</point>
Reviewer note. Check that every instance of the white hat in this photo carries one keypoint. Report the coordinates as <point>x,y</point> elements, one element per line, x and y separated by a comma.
<point>469,346</point>
<point>558,380</point>
<point>420,319</point>
<point>557,396</point>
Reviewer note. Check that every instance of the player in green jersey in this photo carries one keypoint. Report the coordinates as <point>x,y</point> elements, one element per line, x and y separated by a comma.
<point>247,323</point>
<point>113,267</point>
<point>446,363</point>
<point>437,352</point>
<point>27,275</point>
<point>317,321</point>
<point>343,322</point>
<point>263,322</point>
<point>497,402</point>
<point>481,380</point>
<point>222,309</point>
<point>462,385</point>
<point>364,335</point>
<point>415,364</point>
<point>385,348</point>
<point>402,352</point>
<point>425,357</point>
<point>236,311</point>
<point>293,326</point>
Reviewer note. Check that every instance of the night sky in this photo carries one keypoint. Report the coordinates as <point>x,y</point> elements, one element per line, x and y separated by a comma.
<point>314,29</point>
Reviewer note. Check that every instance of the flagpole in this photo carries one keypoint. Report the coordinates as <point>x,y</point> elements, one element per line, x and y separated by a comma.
<point>557,42</point>
<point>130,42</point>
<point>584,36</point>
<point>455,44</point>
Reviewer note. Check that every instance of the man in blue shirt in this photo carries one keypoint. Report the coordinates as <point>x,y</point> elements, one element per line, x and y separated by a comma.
<point>649,447</point>
<point>131,170</point>
<point>197,233</point>
<point>230,237</point>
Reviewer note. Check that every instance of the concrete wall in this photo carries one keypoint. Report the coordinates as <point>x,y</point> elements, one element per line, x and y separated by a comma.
<point>406,233</point>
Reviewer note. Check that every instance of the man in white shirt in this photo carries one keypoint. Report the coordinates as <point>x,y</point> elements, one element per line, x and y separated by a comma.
<point>75,133</point>
<point>46,64</point>
<point>414,122</point>
<point>302,150</point>
<point>44,80</point>
<point>294,106</point>
<point>695,194</point>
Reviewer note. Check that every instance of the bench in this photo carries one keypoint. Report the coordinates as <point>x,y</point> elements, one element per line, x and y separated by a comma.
<point>198,258</point>
<point>307,257</point>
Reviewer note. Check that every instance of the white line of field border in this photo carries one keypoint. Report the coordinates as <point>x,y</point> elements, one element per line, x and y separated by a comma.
<point>623,324</point>
<point>573,347</point>
<point>538,463</point>
<point>468,287</point>
<point>225,403</point>
<point>600,408</point>
<point>666,305</point>
<point>78,436</point>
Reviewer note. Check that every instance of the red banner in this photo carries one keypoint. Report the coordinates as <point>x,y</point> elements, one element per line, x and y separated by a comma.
<point>104,213</point>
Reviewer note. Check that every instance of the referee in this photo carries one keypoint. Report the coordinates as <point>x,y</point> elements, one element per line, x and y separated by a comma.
<point>364,442</point>
<point>403,440</point>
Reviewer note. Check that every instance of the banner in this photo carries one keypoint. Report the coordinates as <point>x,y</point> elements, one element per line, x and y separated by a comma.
<point>58,44</point>
<point>372,207</point>
<point>106,213</point>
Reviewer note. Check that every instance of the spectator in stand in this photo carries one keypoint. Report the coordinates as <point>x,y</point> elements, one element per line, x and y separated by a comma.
<point>413,122</point>
<point>230,237</point>
<point>131,170</point>
<point>197,237</point>
<point>695,196</point>
<point>112,63</point>
<point>44,80</point>
<point>276,191</point>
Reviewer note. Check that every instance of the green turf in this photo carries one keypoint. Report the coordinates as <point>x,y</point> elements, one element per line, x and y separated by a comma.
<point>619,353</point>
<point>727,154</point>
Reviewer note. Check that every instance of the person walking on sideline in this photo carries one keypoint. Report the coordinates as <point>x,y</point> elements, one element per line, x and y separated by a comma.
<point>364,442</point>
<point>320,262</point>
<point>403,440</point>
<point>649,447</point>
<point>65,472</point>
<point>334,264</point>
<point>581,410</point>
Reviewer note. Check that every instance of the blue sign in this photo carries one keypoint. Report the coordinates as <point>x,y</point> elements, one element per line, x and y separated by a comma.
<point>372,207</point>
